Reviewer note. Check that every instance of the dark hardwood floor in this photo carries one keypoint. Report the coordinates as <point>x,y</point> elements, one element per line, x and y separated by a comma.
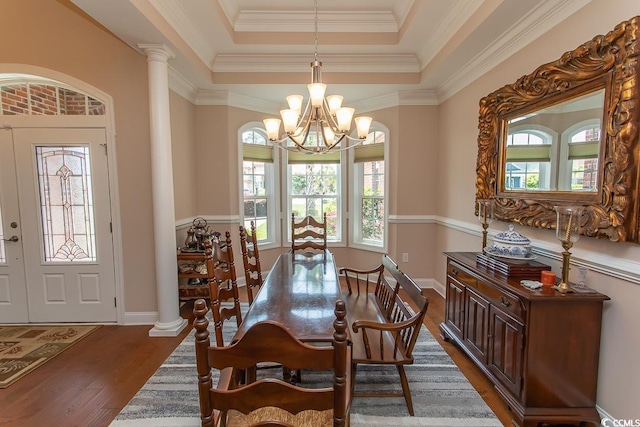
<point>91,382</point>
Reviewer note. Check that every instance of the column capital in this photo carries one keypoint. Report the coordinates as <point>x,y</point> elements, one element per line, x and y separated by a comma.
<point>157,51</point>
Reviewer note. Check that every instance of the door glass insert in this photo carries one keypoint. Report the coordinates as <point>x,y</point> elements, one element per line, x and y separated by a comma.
<point>66,203</point>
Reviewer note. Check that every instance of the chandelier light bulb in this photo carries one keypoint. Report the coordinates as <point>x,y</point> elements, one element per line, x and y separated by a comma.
<point>328,134</point>
<point>343,117</point>
<point>295,102</point>
<point>363,123</point>
<point>335,102</point>
<point>289,120</point>
<point>273,128</point>
<point>316,92</point>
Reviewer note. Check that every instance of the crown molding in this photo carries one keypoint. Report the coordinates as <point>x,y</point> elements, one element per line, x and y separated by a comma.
<point>373,21</point>
<point>258,63</point>
<point>174,14</point>
<point>395,99</point>
<point>459,14</point>
<point>182,86</point>
<point>547,14</point>
<point>231,99</point>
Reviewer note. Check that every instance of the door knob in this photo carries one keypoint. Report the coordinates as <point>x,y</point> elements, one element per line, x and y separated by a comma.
<point>12,239</point>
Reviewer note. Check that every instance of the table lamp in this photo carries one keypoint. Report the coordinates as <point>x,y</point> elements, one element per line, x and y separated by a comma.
<point>485,216</point>
<point>568,232</point>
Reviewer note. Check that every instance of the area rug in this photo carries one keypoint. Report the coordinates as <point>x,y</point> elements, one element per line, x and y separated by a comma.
<point>24,348</point>
<point>442,396</point>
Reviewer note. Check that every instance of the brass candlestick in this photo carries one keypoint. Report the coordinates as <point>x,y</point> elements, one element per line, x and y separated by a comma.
<point>563,286</point>
<point>568,232</point>
<point>485,216</point>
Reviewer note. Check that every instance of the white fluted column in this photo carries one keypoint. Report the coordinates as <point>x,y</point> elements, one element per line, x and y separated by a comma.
<point>169,322</point>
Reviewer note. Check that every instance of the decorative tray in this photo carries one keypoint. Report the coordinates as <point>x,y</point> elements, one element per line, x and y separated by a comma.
<point>522,269</point>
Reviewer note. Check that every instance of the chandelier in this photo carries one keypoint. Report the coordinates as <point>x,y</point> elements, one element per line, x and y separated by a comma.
<point>325,118</point>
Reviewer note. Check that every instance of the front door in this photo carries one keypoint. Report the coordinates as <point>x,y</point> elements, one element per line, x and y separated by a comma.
<point>61,268</point>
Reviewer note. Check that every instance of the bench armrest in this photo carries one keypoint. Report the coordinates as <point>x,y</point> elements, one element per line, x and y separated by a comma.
<point>404,335</point>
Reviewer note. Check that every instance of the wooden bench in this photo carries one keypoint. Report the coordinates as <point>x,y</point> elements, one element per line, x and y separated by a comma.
<point>384,324</point>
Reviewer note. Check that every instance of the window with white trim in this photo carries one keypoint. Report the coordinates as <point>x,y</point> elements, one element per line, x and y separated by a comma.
<point>315,187</point>
<point>258,180</point>
<point>369,195</point>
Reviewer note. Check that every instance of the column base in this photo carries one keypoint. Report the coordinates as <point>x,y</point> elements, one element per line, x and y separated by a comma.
<point>172,329</point>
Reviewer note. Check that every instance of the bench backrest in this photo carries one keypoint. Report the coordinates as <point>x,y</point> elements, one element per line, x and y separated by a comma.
<point>396,300</point>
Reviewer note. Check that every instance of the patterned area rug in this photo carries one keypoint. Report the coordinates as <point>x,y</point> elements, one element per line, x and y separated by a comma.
<point>24,348</point>
<point>442,396</point>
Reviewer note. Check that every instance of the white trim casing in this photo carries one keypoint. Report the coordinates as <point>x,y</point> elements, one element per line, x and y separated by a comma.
<point>108,122</point>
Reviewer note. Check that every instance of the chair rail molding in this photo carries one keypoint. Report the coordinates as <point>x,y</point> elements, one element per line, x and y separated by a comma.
<point>211,219</point>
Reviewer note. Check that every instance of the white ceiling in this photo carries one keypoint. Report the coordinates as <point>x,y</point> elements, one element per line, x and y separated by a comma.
<point>376,53</point>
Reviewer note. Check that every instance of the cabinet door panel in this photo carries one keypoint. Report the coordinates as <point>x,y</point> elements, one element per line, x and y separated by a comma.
<point>477,327</point>
<point>455,306</point>
<point>506,346</point>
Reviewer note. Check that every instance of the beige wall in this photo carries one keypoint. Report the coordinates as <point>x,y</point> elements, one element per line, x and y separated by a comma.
<point>618,375</point>
<point>185,156</point>
<point>50,34</point>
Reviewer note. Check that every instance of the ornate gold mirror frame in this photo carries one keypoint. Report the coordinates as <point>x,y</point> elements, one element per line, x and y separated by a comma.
<point>610,60</point>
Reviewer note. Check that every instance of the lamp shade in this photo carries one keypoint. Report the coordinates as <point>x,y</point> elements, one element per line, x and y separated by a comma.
<point>335,102</point>
<point>343,117</point>
<point>363,123</point>
<point>316,93</point>
<point>289,119</point>
<point>328,135</point>
<point>273,128</point>
<point>295,102</point>
<point>568,223</point>
<point>485,211</point>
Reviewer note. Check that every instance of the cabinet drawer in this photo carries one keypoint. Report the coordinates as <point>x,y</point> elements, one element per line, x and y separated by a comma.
<point>461,274</point>
<point>498,297</point>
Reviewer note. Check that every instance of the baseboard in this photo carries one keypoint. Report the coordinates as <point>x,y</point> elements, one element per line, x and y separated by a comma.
<point>431,284</point>
<point>140,318</point>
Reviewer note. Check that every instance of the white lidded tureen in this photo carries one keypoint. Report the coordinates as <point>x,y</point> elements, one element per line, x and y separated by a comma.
<point>510,244</point>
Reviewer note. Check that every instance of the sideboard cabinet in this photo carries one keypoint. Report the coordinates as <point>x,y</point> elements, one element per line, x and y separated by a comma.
<point>540,348</point>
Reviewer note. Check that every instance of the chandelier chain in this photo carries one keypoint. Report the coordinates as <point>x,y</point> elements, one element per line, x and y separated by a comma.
<point>315,8</point>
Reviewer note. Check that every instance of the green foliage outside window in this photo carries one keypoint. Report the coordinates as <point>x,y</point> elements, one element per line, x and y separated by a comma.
<point>315,191</point>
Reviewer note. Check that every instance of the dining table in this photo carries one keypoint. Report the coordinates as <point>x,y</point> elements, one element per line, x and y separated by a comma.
<point>300,292</point>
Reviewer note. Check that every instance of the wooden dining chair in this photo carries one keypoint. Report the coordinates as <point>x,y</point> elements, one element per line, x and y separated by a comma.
<point>308,233</point>
<point>251,261</point>
<point>271,401</point>
<point>223,287</point>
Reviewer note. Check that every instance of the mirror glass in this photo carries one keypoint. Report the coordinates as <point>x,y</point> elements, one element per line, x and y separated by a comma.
<point>556,148</point>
